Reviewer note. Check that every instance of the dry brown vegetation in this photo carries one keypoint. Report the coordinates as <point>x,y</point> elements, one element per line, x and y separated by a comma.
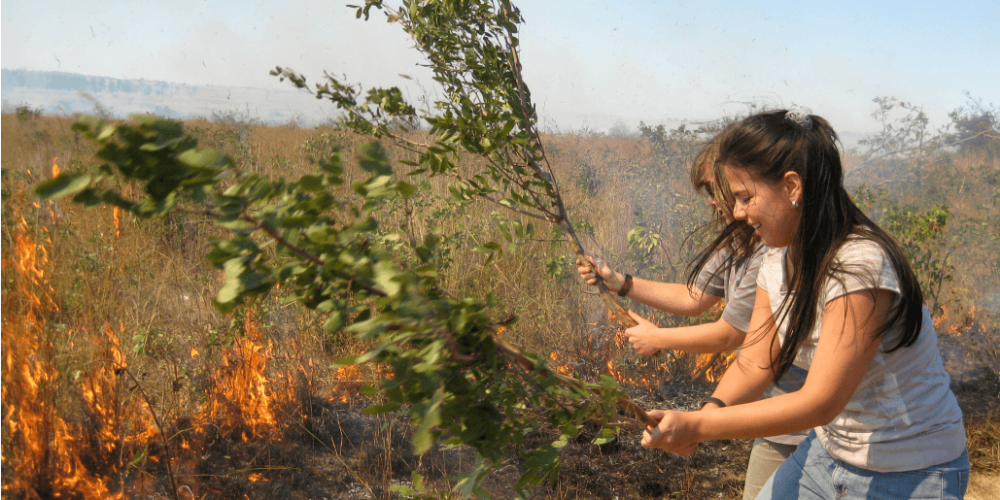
<point>121,380</point>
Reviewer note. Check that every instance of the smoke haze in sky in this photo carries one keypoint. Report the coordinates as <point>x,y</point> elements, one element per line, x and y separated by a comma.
<point>589,64</point>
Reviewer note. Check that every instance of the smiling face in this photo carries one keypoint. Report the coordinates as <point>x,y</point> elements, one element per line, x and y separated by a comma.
<point>767,206</point>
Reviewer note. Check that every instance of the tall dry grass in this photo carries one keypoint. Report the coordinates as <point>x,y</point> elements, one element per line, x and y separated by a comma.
<point>148,283</point>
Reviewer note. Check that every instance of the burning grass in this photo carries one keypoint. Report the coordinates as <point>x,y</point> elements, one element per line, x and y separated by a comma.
<point>49,454</point>
<point>256,436</point>
<point>121,381</point>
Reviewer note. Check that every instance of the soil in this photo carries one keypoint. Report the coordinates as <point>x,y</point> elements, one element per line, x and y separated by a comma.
<point>333,450</point>
<point>328,449</point>
<point>983,487</point>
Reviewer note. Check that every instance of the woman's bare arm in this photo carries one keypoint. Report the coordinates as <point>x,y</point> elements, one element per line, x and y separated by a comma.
<point>717,336</point>
<point>843,355</point>
<point>673,298</point>
<point>750,375</point>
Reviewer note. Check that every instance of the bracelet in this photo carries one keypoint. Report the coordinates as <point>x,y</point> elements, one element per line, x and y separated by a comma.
<point>626,286</point>
<point>718,402</point>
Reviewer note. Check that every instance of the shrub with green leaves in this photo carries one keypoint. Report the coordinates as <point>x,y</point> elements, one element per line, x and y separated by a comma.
<point>486,111</point>
<point>448,372</point>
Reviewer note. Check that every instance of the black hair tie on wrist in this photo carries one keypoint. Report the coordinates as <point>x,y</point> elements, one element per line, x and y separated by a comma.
<point>626,286</point>
<point>718,402</point>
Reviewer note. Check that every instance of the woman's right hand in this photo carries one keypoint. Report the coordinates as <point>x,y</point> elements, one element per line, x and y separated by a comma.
<point>613,280</point>
<point>674,434</point>
<point>643,335</point>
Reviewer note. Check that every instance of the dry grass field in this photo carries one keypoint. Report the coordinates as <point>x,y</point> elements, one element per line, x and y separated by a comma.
<point>121,380</point>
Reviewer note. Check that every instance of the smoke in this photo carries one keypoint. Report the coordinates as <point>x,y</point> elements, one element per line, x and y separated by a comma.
<point>596,64</point>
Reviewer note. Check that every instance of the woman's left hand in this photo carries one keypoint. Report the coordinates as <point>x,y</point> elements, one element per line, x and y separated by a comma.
<point>674,434</point>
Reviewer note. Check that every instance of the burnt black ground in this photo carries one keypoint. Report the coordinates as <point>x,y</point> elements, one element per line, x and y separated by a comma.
<point>329,450</point>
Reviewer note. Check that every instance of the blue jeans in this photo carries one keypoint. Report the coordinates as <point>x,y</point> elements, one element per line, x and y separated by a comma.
<point>811,473</point>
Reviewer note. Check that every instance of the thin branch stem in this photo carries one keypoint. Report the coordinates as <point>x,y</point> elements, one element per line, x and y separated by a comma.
<point>527,364</point>
<point>159,427</point>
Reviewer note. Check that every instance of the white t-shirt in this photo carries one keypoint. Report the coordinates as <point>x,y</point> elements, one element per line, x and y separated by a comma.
<point>903,416</point>
<point>738,284</point>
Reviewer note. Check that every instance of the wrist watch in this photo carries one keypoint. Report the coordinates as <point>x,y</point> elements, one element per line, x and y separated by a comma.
<point>626,286</point>
<point>718,402</point>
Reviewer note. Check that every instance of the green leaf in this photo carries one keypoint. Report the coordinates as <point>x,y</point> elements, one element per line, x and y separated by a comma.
<point>87,198</point>
<point>238,225</point>
<point>385,408</point>
<point>233,286</point>
<point>423,437</point>
<point>606,435</point>
<point>569,429</point>
<point>488,247</point>
<point>208,159</point>
<point>374,159</point>
<point>504,230</point>
<point>106,132</point>
<point>336,322</point>
<point>64,185</point>
<point>311,183</point>
<point>541,462</point>
<point>471,483</point>
<point>229,291</point>
<point>385,277</point>
<point>406,189</point>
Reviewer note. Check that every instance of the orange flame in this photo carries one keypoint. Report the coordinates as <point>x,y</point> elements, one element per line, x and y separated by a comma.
<point>243,400</point>
<point>956,326</point>
<point>348,382</point>
<point>116,214</point>
<point>50,452</point>
<point>718,367</point>
<point>938,321</point>
<point>562,369</point>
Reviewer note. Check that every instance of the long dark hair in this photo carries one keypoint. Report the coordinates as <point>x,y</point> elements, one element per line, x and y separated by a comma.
<point>736,233</point>
<point>767,146</point>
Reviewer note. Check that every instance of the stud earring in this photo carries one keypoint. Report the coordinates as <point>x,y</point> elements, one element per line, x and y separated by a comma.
<point>795,204</point>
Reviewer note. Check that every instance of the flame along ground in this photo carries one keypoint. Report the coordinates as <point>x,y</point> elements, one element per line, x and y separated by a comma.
<point>96,433</point>
<point>242,393</point>
<point>956,325</point>
<point>47,454</point>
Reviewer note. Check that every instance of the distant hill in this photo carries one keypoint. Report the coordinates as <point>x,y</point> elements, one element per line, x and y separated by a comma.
<point>60,93</point>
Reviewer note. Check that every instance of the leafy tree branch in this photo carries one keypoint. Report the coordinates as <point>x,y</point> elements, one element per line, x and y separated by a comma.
<point>472,50</point>
<point>449,373</point>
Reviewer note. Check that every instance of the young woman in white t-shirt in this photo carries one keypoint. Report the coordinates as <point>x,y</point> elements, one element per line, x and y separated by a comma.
<point>837,297</point>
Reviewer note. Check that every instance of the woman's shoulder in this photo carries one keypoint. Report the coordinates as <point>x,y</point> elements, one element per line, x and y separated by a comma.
<point>859,250</point>
<point>771,272</point>
<point>861,263</point>
<point>769,256</point>
<point>859,242</point>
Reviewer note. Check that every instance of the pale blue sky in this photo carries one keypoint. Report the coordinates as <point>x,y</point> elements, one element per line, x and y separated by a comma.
<point>588,63</point>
